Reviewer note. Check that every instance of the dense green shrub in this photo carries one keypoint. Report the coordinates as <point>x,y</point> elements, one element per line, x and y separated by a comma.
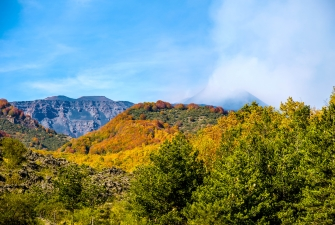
<point>162,190</point>
<point>17,208</point>
<point>12,150</point>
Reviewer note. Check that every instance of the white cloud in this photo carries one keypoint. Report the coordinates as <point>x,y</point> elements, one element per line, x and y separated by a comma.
<point>274,49</point>
<point>75,84</point>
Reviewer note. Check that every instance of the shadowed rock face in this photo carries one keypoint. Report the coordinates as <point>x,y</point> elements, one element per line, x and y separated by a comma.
<point>74,117</point>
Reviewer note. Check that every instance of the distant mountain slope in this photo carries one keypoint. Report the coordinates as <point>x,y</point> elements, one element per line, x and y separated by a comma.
<point>144,124</point>
<point>121,133</point>
<point>73,117</point>
<point>233,100</point>
<point>15,123</point>
<point>188,118</point>
<point>60,98</point>
<point>93,98</point>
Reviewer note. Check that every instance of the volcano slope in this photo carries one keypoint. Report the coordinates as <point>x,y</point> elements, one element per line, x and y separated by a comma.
<point>129,138</point>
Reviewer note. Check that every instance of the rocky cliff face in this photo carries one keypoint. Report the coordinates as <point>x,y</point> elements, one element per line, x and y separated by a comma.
<point>74,117</point>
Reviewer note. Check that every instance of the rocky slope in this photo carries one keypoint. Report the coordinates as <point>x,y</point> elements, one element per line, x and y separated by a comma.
<point>14,123</point>
<point>74,117</point>
<point>40,170</point>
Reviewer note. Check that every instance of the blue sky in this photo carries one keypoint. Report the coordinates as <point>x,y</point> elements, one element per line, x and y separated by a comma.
<point>149,50</point>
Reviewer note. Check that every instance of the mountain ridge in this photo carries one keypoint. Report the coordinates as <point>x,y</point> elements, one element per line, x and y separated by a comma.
<point>73,117</point>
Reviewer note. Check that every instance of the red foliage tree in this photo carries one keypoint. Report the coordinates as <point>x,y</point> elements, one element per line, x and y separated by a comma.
<point>219,110</point>
<point>192,106</point>
<point>160,104</point>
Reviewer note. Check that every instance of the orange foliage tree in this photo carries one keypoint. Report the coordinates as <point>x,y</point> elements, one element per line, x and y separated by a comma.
<point>3,103</point>
<point>179,106</point>
<point>192,106</point>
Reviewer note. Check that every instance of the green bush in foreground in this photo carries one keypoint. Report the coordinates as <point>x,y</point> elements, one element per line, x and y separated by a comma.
<point>161,191</point>
<point>12,150</point>
<point>17,208</point>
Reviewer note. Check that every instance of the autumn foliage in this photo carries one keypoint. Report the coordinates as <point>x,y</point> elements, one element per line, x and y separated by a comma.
<point>192,106</point>
<point>8,110</point>
<point>179,106</point>
<point>120,134</point>
<point>152,106</point>
<point>128,139</point>
<point>4,103</point>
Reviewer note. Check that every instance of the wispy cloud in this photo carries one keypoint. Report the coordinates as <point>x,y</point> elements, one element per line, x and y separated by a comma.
<point>274,49</point>
<point>73,84</point>
<point>35,62</point>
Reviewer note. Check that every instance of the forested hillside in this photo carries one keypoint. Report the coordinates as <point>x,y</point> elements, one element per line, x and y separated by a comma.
<point>188,118</point>
<point>257,165</point>
<point>270,167</point>
<point>128,139</point>
<point>17,124</point>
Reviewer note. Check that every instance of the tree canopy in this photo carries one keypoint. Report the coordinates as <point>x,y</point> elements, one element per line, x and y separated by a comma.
<point>161,190</point>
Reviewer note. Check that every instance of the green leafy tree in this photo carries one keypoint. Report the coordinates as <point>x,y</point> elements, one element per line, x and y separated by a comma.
<point>76,190</point>
<point>16,208</point>
<point>162,190</point>
<point>13,150</point>
<point>93,194</point>
<point>318,203</point>
<point>257,179</point>
<point>70,187</point>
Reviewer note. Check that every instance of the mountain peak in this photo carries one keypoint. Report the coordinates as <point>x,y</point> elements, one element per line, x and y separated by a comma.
<point>60,98</point>
<point>231,100</point>
<point>83,98</point>
<point>94,98</point>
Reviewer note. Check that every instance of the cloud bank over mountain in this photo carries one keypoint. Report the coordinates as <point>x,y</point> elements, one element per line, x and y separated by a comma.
<point>274,49</point>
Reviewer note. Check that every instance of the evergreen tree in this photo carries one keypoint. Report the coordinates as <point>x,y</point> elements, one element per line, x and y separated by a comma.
<point>318,203</point>
<point>256,179</point>
<point>162,190</point>
<point>70,187</point>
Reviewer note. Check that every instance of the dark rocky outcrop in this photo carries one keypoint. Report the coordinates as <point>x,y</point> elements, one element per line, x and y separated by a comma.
<point>73,117</point>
